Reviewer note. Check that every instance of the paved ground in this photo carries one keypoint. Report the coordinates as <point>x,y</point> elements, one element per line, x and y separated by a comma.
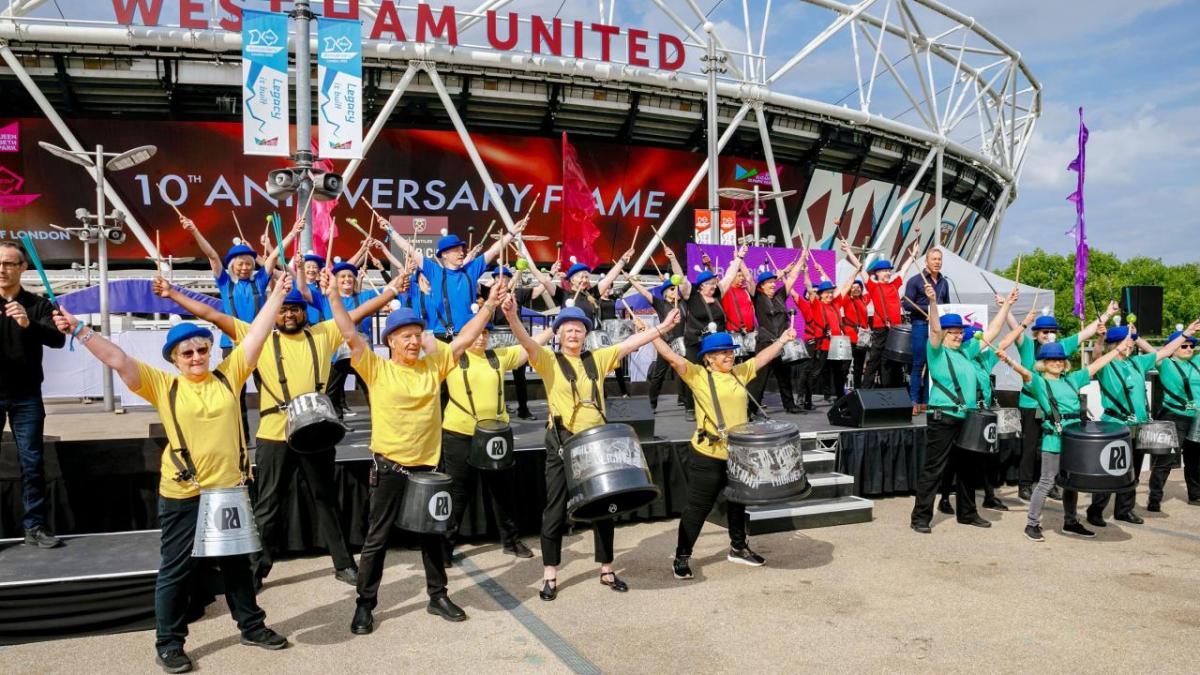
<point>869,598</point>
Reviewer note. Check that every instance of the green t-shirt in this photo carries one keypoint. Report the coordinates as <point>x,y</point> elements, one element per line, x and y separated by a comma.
<point>1065,393</point>
<point>1175,375</point>
<point>1123,389</point>
<point>1028,350</point>
<point>940,361</point>
<point>984,363</point>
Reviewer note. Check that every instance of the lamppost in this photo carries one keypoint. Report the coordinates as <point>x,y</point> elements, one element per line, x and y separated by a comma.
<point>99,162</point>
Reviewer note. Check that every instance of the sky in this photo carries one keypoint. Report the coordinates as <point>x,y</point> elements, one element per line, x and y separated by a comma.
<point>1133,65</point>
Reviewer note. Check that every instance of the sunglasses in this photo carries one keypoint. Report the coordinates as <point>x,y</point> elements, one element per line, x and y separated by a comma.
<point>1187,345</point>
<point>199,351</point>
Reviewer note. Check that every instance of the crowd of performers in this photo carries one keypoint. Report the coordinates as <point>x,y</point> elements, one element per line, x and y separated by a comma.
<point>304,329</point>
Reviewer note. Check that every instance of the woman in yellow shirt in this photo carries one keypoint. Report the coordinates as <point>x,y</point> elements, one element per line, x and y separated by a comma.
<point>476,388</point>
<point>719,389</point>
<point>201,414</point>
<point>576,402</point>
<point>406,423</point>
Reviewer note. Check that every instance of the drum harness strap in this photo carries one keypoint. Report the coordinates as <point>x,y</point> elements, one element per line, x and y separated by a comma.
<point>463,363</point>
<point>589,368</point>
<point>282,404</point>
<point>229,285</point>
<point>1125,409</point>
<point>737,309</point>
<point>186,469</point>
<point>960,403</point>
<point>1190,403</point>
<point>446,304</point>
<point>1056,416</point>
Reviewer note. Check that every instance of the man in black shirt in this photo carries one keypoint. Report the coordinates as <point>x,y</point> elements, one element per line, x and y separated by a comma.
<point>26,326</point>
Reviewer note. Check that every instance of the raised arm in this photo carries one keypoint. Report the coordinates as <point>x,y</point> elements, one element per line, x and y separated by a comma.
<point>678,363</point>
<point>1090,330</point>
<point>273,255</point>
<point>214,258</point>
<point>732,271</point>
<point>264,321</point>
<point>543,336</point>
<point>935,321</point>
<point>199,309</point>
<point>1026,376</point>
<point>108,353</point>
<point>997,322</point>
<point>377,303</point>
<point>641,290</point>
<point>613,274</point>
<point>685,288</point>
<point>1168,350</point>
<point>347,325</point>
<point>1097,363</point>
<point>545,281</point>
<point>913,252</point>
<point>512,313</point>
<point>766,356</point>
<point>495,249</point>
<point>475,326</point>
<point>637,340</point>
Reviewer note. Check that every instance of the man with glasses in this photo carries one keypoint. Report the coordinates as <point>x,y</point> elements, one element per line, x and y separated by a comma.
<point>26,326</point>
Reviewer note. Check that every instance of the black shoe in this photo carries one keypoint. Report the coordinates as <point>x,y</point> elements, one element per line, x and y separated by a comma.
<point>266,638</point>
<point>525,415</point>
<point>362,623</point>
<point>549,589</point>
<point>346,412</point>
<point>1131,518</point>
<point>616,584</point>
<point>1055,493</point>
<point>690,415</point>
<point>976,521</point>
<point>945,506</point>
<point>1194,502</point>
<point>518,549</point>
<point>1034,533</point>
<point>793,410</point>
<point>347,575</point>
<point>995,505</point>
<point>174,660</point>
<point>1078,530</point>
<point>1025,493</point>
<point>745,556</point>
<point>681,568</point>
<point>1098,521</point>
<point>923,528</point>
<point>1154,507</point>
<point>40,538</point>
<point>808,405</point>
<point>443,607</point>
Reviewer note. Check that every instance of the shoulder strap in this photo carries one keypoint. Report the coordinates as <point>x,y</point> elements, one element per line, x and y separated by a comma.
<point>1125,409</point>
<point>712,392</point>
<point>186,469</point>
<point>955,395</point>
<point>446,303</point>
<point>589,368</point>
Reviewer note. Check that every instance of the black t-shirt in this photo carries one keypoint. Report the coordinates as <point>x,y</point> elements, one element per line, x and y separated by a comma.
<point>700,314</point>
<point>662,308</point>
<point>523,296</point>
<point>588,301</point>
<point>772,316</point>
<point>21,348</point>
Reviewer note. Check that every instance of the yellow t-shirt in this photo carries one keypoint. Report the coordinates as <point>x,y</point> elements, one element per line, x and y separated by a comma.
<point>406,407</point>
<point>730,394</point>
<point>297,366</point>
<point>484,382</point>
<point>558,388</point>
<point>209,415</point>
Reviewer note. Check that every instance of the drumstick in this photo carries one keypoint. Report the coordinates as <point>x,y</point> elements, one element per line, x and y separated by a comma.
<point>1017,280</point>
<point>531,206</point>
<point>482,240</point>
<point>989,284</point>
<point>353,222</point>
<point>157,251</point>
<point>329,245</point>
<point>470,237</point>
<point>916,307</point>
<point>373,211</point>
<point>237,225</point>
<point>636,230</point>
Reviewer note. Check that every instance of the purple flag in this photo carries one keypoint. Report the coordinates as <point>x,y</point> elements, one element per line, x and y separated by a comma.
<point>1079,165</point>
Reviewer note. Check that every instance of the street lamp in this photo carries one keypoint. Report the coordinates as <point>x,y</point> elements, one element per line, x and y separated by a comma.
<point>96,162</point>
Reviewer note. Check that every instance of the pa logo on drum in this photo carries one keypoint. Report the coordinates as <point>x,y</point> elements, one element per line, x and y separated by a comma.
<point>229,518</point>
<point>439,506</point>
<point>989,434</point>
<point>1115,458</point>
<point>497,447</point>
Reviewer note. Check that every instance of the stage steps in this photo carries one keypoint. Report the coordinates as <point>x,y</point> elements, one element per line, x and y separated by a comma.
<point>831,502</point>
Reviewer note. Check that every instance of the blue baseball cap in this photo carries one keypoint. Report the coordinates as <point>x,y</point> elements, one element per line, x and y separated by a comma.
<point>1117,334</point>
<point>572,314</point>
<point>1052,351</point>
<point>951,321</point>
<point>879,265</point>
<point>185,330</point>
<point>1045,323</point>
<point>313,257</point>
<point>576,269</point>
<point>448,242</point>
<point>399,318</point>
<point>1176,334</point>
<point>238,251</point>
<point>705,276</point>
<point>345,267</point>
<point>825,286</point>
<point>717,342</point>
<point>765,276</point>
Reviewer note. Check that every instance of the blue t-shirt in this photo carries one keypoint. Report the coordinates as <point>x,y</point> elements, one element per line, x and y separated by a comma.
<point>319,310</point>
<point>425,305</point>
<point>458,295</point>
<point>243,298</point>
<point>353,302</point>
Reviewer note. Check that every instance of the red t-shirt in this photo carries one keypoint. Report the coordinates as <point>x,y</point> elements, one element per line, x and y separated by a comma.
<point>818,318</point>
<point>738,303</point>
<point>886,299</point>
<point>855,312</point>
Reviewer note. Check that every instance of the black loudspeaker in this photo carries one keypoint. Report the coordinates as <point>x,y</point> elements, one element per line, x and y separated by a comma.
<point>635,412</point>
<point>1147,303</point>
<point>872,408</point>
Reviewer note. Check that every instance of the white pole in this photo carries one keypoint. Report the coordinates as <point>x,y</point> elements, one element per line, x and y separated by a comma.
<point>304,155</point>
<point>105,326</point>
<point>714,207</point>
<point>899,208</point>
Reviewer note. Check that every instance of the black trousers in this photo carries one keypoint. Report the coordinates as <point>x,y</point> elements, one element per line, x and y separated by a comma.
<point>177,576</point>
<point>275,466</point>
<point>387,493</point>
<point>706,478</point>
<point>522,387</point>
<point>554,518</point>
<point>857,367</point>
<point>814,370</point>
<point>1161,465</point>
<point>940,432</point>
<point>837,372</point>
<point>985,465</point>
<point>880,371</point>
<point>1125,498</point>
<point>783,378</point>
<point>336,388</point>
<point>659,370</point>
<point>1029,471</point>
<point>497,486</point>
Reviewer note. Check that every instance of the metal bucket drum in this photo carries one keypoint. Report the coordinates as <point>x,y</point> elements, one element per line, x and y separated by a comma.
<point>606,473</point>
<point>766,464</point>
<point>1008,423</point>
<point>749,342</point>
<point>617,330</point>
<point>739,348</point>
<point>425,507</point>
<point>1157,438</point>
<point>979,432</point>
<point>225,524</point>
<point>864,337</point>
<point>898,346</point>
<point>313,424</point>
<point>678,346</point>
<point>501,336</point>
<point>491,446</point>
<point>840,348</point>
<point>1096,457</point>
<point>596,340</point>
<point>793,350</point>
